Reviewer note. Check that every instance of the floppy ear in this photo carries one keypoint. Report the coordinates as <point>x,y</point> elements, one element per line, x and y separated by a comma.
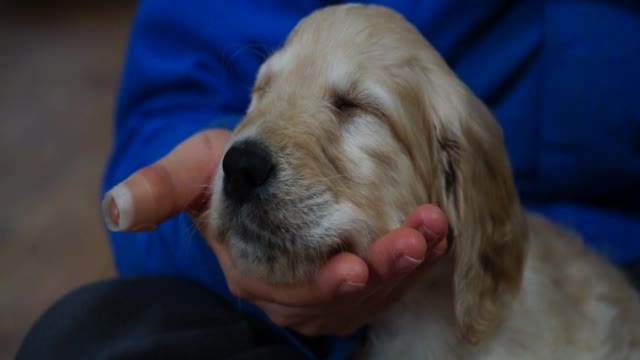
<point>478,195</point>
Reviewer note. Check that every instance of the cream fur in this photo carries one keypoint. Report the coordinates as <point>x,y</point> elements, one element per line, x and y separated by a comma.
<point>365,122</point>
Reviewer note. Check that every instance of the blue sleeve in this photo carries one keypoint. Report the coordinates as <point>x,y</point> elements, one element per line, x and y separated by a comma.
<point>561,78</point>
<point>588,160</point>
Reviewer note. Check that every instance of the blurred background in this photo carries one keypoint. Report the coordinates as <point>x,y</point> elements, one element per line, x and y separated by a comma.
<point>60,66</point>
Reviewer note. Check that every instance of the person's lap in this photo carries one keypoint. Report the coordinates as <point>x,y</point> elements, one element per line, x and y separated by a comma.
<point>633,271</point>
<point>158,318</point>
<point>150,318</point>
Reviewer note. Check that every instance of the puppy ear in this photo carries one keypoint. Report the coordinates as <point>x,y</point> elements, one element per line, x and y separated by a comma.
<point>487,224</point>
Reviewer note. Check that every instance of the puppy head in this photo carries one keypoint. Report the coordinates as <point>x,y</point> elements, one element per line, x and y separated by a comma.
<point>352,124</point>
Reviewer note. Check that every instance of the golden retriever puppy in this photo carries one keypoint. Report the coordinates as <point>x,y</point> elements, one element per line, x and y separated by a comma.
<point>355,122</point>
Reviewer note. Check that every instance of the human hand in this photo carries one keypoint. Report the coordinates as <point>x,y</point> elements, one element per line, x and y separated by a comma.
<point>345,293</point>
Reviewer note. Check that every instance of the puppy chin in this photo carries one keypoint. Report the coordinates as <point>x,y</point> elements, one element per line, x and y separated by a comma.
<point>275,265</point>
<point>289,253</point>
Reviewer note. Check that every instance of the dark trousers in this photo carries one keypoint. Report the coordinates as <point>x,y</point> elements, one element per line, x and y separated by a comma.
<point>150,318</point>
<point>633,271</point>
<point>157,318</point>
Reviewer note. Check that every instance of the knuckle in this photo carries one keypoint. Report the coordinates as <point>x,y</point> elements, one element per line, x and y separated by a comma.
<point>205,139</point>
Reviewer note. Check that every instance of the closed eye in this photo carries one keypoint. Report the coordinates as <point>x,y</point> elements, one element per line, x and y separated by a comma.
<point>350,102</point>
<point>343,103</point>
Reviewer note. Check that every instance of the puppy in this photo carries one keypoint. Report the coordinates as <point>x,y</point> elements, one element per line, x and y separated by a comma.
<point>355,122</point>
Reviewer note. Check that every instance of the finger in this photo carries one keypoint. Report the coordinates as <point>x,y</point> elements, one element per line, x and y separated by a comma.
<point>343,274</point>
<point>404,249</point>
<point>397,253</point>
<point>430,221</point>
<point>166,187</point>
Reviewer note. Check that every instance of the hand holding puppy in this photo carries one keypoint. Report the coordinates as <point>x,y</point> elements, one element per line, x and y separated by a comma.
<point>343,295</point>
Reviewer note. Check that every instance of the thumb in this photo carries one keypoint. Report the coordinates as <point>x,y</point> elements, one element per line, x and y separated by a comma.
<point>163,189</point>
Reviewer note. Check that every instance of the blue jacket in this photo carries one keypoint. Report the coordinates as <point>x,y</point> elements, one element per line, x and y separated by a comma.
<point>561,77</point>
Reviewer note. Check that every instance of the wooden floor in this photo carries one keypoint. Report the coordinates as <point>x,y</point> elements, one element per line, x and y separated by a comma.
<point>59,71</point>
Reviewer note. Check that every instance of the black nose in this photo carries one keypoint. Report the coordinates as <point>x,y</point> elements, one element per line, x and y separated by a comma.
<point>247,166</point>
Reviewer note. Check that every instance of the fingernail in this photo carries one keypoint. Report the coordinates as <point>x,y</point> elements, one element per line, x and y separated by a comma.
<point>404,264</point>
<point>349,287</point>
<point>117,208</point>
<point>429,235</point>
